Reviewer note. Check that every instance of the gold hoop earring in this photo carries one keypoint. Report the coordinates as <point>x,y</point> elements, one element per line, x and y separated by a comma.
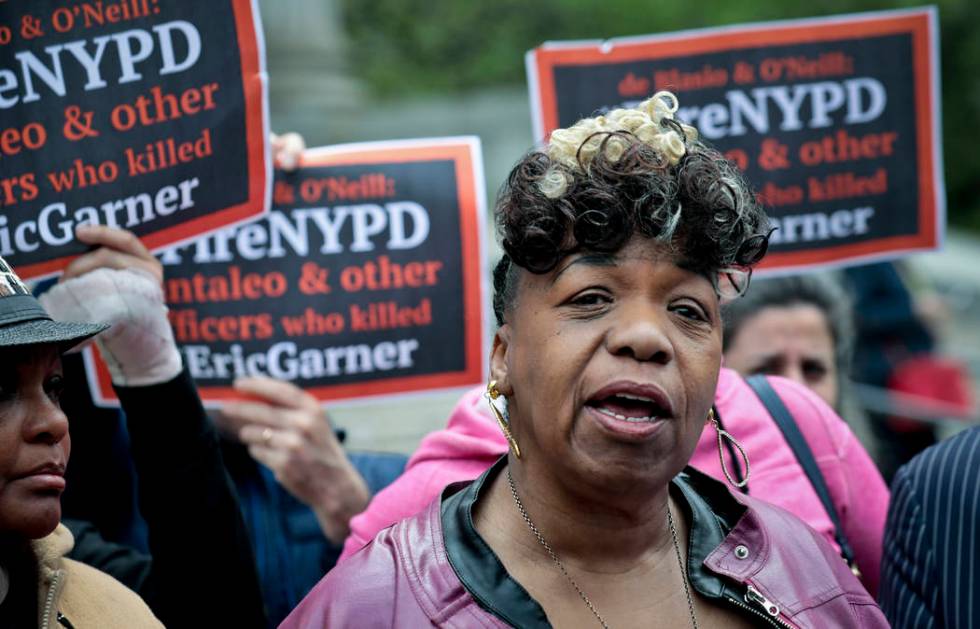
<point>492,394</point>
<point>721,455</point>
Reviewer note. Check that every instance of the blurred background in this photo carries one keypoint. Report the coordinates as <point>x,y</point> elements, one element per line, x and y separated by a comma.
<point>350,71</point>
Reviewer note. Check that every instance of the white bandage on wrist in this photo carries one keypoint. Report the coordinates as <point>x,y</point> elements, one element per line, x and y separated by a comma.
<point>139,348</point>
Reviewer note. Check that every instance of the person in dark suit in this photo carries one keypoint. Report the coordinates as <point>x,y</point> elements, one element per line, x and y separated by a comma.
<point>930,574</point>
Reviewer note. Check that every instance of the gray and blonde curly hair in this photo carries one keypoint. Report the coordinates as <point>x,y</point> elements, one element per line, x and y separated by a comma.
<point>605,178</point>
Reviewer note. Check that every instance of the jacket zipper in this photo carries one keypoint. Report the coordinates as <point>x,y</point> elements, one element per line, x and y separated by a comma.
<point>49,601</point>
<point>771,613</point>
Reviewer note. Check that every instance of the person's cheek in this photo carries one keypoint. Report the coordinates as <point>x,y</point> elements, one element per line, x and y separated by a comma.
<point>66,446</point>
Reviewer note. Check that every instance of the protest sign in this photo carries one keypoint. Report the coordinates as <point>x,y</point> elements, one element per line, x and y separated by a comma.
<point>144,114</point>
<point>835,120</point>
<point>367,278</point>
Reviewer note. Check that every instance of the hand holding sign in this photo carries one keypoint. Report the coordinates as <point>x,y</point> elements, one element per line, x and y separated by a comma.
<point>120,283</point>
<point>288,431</point>
<point>287,149</point>
<point>116,249</point>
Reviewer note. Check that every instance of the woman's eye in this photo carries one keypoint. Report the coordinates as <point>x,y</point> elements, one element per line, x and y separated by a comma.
<point>590,299</point>
<point>814,370</point>
<point>55,387</point>
<point>689,311</point>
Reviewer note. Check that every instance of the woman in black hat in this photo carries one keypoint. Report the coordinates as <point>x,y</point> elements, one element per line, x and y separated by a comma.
<point>191,512</point>
<point>34,449</point>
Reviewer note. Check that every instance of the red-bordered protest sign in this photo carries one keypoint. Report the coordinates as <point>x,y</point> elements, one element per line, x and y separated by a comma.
<point>836,121</point>
<point>367,278</point>
<point>144,114</point>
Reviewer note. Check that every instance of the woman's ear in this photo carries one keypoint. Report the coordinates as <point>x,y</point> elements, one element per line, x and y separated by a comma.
<point>499,359</point>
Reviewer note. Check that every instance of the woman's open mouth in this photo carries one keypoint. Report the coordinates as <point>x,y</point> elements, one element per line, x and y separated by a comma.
<point>630,408</point>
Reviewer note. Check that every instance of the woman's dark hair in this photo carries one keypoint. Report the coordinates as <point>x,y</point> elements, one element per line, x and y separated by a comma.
<point>632,171</point>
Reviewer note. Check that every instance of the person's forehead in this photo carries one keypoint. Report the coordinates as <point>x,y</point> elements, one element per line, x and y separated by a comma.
<point>638,249</point>
<point>796,324</point>
<point>43,355</point>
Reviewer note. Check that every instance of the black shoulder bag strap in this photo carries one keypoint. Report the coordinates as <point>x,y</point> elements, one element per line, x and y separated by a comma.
<point>784,419</point>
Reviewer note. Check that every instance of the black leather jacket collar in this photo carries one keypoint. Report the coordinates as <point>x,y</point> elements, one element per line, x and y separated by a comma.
<point>709,508</point>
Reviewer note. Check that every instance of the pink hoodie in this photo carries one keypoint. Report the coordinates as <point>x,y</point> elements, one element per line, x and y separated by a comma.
<point>472,442</point>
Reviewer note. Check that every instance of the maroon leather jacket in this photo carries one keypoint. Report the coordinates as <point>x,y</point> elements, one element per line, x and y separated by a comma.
<point>434,569</point>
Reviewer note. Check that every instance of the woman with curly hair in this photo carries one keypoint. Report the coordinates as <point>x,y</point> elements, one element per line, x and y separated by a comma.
<point>622,237</point>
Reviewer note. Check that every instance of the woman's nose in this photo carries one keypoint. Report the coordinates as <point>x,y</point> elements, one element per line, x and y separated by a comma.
<point>46,423</point>
<point>639,333</point>
<point>794,371</point>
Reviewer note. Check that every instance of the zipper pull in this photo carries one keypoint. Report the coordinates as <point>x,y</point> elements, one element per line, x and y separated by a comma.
<point>753,595</point>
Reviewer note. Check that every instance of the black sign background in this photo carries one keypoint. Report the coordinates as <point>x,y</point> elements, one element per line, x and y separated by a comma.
<point>446,355</point>
<point>888,59</point>
<point>896,195</point>
<point>224,174</point>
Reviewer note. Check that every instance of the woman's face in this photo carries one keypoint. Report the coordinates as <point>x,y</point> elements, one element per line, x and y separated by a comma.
<point>34,442</point>
<point>609,364</point>
<point>790,341</point>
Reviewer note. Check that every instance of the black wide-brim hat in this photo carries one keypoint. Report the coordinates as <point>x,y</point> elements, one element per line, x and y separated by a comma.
<point>23,321</point>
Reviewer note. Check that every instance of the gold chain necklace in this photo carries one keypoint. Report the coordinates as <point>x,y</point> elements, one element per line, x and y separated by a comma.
<point>568,577</point>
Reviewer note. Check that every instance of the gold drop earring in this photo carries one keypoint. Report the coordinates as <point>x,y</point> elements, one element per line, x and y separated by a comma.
<point>721,455</point>
<point>492,394</point>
